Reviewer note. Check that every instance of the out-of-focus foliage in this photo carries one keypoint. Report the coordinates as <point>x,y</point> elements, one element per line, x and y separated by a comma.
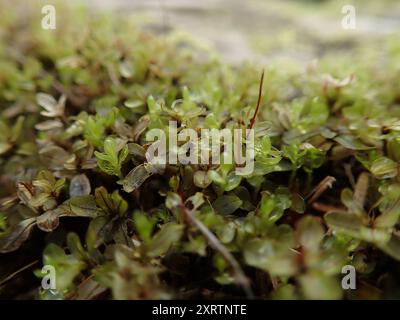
<point>78,193</point>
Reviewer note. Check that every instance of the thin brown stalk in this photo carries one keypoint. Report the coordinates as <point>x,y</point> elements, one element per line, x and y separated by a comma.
<point>8,278</point>
<point>320,188</point>
<point>239,276</point>
<point>322,207</point>
<point>361,189</point>
<point>253,120</point>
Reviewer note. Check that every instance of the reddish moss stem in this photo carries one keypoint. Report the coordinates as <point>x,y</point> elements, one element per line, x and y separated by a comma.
<point>253,120</point>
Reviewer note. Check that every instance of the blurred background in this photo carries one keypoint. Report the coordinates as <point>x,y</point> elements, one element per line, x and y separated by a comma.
<point>268,30</point>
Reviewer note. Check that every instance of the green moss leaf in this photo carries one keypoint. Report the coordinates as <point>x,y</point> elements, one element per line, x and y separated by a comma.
<point>384,168</point>
<point>17,236</point>
<point>135,178</point>
<point>169,234</point>
<point>227,204</point>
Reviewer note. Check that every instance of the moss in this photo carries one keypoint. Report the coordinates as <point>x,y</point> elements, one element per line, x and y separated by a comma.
<point>79,193</point>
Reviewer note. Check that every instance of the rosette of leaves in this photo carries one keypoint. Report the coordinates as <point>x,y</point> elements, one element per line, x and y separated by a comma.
<point>378,224</point>
<point>42,207</point>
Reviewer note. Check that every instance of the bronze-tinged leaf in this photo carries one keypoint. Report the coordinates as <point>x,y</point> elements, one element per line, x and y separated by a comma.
<point>98,231</point>
<point>52,107</point>
<point>297,203</point>
<point>18,236</point>
<point>8,202</point>
<point>83,206</point>
<point>40,199</point>
<point>25,192</point>
<point>79,186</point>
<point>103,199</point>
<point>137,151</point>
<point>46,101</point>
<point>54,157</point>
<point>49,125</point>
<point>50,220</point>
<point>135,178</point>
<point>140,127</point>
<point>361,189</point>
